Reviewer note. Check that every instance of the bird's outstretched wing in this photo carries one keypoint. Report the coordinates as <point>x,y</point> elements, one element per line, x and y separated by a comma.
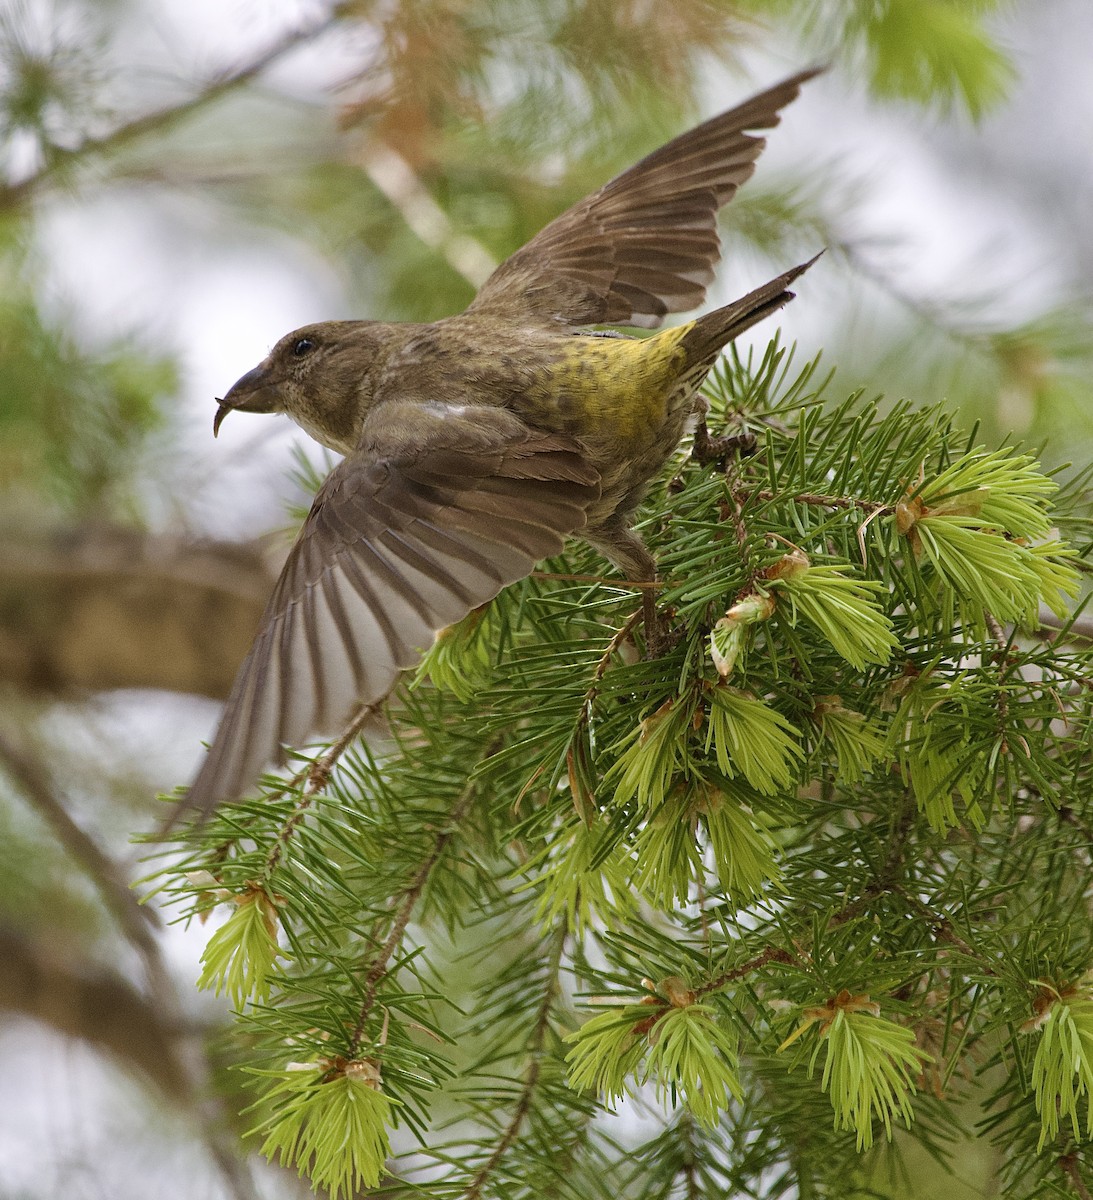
<point>399,543</point>
<point>646,243</point>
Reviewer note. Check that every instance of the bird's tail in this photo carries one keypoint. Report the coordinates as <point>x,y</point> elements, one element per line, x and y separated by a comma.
<point>710,333</point>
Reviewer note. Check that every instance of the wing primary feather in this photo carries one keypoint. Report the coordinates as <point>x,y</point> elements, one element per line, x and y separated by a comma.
<point>578,270</point>
<point>425,567</point>
<point>311,617</point>
<point>332,593</point>
<point>384,614</point>
<point>392,577</point>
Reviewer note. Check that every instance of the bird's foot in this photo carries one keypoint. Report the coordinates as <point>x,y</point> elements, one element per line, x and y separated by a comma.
<point>661,635</point>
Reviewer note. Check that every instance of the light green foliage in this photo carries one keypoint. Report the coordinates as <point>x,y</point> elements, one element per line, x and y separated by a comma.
<point>1058,580</point>
<point>606,1050</point>
<point>751,739</point>
<point>670,849</point>
<point>667,855</point>
<point>981,568</point>
<point>856,740</point>
<point>241,954</point>
<point>869,1071</point>
<point>935,50</point>
<point>1006,491</point>
<point>743,849</point>
<point>653,756</point>
<point>459,659</point>
<point>1062,1071</point>
<point>584,876</point>
<point>972,523</point>
<point>681,1049</point>
<point>690,1053</point>
<point>842,608</point>
<point>331,1124</point>
<point>938,752</point>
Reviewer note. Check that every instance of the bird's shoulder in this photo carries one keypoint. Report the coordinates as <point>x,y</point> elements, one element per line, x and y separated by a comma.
<point>467,361</point>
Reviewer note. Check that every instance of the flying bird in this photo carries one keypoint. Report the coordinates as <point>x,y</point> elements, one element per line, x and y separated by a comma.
<point>475,445</point>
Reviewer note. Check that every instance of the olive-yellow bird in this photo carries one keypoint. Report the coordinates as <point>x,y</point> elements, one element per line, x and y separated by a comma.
<point>476,444</point>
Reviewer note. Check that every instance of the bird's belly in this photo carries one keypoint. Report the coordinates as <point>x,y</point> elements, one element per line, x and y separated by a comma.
<point>611,393</point>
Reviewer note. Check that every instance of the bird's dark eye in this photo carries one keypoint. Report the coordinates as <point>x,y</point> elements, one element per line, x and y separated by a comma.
<point>302,346</point>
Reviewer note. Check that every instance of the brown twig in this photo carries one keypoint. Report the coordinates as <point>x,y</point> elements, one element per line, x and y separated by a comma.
<point>531,1079</point>
<point>943,931</point>
<point>772,954</point>
<point>317,774</point>
<point>1073,1170</point>
<point>621,634</point>
<point>405,909</point>
<point>816,499</point>
<point>607,582</point>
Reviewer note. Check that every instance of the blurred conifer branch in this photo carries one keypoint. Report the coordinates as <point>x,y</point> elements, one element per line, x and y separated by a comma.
<point>53,77</point>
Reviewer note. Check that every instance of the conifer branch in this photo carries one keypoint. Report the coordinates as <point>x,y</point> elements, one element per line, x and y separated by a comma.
<point>1073,1170</point>
<point>705,788</point>
<point>405,908</point>
<point>159,121</point>
<point>531,1077</point>
<point>772,954</point>
<point>317,774</point>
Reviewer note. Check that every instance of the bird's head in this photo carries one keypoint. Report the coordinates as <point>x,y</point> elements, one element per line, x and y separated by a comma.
<point>320,375</point>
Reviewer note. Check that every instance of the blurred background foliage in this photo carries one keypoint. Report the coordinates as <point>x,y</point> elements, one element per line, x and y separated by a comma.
<point>397,150</point>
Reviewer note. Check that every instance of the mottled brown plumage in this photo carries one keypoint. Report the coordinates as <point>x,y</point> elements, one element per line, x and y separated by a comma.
<point>475,445</point>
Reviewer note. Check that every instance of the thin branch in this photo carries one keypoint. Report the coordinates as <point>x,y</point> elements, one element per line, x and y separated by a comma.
<point>149,1032</point>
<point>772,954</point>
<point>690,1157</point>
<point>405,909</point>
<point>817,499</point>
<point>162,119</point>
<point>395,178</point>
<point>1072,1168</point>
<point>943,931</point>
<point>317,774</point>
<point>531,1079</point>
<point>934,315</point>
<point>607,581</point>
<point>136,921</point>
